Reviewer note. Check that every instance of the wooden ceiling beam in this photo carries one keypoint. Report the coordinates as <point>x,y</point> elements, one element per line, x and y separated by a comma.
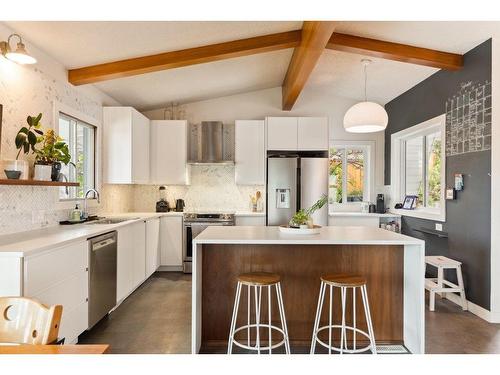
<point>186,57</point>
<point>395,51</point>
<point>315,36</point>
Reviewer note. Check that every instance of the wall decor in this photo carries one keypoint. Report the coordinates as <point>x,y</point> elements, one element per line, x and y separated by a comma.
<point>459,181</point>
<point>451,194</point>
<point>468,119</point>
<point>410,202</point>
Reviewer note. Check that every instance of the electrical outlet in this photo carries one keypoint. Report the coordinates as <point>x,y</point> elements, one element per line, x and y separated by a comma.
<point>439,226</point>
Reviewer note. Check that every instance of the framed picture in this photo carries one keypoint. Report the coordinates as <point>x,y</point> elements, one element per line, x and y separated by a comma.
<point>459,182</point>
<point>410,202</point>
<point>451,194</point>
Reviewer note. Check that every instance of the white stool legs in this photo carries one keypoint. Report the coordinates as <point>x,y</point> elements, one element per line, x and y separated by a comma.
<point>343,327</point>
<point>257,291</point>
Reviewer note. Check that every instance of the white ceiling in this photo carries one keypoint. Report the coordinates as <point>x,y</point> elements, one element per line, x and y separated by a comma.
<point>77,44</point>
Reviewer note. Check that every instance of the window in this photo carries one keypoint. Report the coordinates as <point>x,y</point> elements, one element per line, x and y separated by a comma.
<point>419,167</point>
<point>80,137</point>
<point>350,173</point>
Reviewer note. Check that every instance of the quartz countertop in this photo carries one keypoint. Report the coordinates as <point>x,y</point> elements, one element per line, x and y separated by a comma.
<point>250,213</point>
<point>332,235</point>
<point>361,214</point>
<point>30,242</point>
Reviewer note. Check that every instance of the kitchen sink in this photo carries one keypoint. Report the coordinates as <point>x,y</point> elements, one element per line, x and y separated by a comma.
<point>111,220</point>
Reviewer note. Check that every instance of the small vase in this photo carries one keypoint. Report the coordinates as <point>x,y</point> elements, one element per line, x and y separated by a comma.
<point>56,170</point>
<point>310,223</point>
<point>43,172</point>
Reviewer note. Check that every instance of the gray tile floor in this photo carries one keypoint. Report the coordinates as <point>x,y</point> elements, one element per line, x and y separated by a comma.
<point>156,318</point>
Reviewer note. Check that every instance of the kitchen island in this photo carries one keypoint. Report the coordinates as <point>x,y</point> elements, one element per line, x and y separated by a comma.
<point>393,265</point>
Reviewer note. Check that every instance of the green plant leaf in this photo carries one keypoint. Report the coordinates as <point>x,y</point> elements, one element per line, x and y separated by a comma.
<point>26,148</point>
<point>32,138</point>
<point>38,131</point>
<point>29,120</point>
<point>20,139</point>
<point>37,119</point>
<point>24,130</point>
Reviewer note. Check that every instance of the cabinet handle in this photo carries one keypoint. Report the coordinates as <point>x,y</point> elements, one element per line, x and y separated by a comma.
<point>86,299</point>
<point>86,269</point>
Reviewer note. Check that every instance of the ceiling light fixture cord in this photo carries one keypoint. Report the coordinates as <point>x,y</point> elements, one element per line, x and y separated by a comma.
<point>365,80</point>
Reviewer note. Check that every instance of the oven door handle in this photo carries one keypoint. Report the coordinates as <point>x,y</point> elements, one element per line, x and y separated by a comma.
<point>206,224</point>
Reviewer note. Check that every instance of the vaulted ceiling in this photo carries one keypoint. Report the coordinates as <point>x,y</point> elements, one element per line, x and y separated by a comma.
<point>79,44</point>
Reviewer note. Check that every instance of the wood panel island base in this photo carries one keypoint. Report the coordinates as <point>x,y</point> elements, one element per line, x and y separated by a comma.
<point>393,265</point>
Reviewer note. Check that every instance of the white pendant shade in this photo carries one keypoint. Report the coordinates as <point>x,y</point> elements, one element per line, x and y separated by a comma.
<point>365,117</point>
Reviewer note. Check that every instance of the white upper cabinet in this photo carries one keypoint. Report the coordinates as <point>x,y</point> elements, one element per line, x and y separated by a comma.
<point>281,133</point>
<point>169,152</point>
<point>312,133</point>
<point>297,133</point>
<point>250,152</point>
<point>125,146</point>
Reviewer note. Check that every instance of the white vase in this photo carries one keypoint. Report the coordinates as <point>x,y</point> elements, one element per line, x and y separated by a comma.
<point>43,172</point>
<point>15,165</point>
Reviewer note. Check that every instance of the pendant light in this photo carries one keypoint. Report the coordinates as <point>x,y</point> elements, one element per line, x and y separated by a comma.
<point>365,117</point>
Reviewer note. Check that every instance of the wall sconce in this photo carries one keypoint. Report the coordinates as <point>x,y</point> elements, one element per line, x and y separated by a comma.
<point>19,55</point>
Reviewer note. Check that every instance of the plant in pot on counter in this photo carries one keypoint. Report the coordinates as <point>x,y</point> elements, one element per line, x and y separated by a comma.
<point>25,141</point>
<point>50,155</point>
<point>303,219</point>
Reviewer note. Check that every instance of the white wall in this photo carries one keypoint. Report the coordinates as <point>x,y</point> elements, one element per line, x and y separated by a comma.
<point>29,90</point>
<point>259,104</point>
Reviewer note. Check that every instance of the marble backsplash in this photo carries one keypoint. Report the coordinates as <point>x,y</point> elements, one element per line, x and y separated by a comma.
<point>212,189</point>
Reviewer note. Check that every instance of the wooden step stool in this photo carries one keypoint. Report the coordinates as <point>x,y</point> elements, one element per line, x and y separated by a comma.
<point>442,286</point>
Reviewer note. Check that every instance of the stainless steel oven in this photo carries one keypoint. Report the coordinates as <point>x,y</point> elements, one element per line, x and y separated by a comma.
<point>194,224</point>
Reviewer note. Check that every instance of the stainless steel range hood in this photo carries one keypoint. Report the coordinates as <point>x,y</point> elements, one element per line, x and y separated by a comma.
<point>207,145</point>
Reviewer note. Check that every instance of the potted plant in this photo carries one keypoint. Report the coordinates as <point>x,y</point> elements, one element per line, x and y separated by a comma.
<point>26,139</point>
<point>302,218</point>
<point>50,155</point>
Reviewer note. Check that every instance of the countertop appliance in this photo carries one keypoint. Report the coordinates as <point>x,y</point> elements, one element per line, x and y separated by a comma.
<point>162,205</point>
<point>194,224</point>
<point>295,180</point>
<point>179,205</point>
<point>380,204</point>
<point>206,144</point>
<point>102,276</point>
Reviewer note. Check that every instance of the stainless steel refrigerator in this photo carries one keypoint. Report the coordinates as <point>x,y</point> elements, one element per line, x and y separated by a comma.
<point>296,181</point>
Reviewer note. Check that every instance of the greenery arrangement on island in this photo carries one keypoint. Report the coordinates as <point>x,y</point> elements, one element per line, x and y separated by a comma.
<point>303,216</point>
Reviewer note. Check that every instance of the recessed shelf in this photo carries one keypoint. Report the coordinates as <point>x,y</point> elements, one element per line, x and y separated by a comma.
<point>6,181</point>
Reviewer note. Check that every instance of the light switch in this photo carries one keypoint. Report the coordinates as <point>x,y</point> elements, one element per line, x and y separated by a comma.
<point>439,226</point>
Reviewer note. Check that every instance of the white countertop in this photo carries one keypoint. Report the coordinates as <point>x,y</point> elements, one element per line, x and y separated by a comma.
<point>30,242</point>
<point>334,235</point>
<point>249,213</point>
<point>361,214</point>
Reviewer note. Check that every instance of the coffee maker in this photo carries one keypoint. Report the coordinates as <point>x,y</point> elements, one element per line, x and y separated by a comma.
<point>380,204</point>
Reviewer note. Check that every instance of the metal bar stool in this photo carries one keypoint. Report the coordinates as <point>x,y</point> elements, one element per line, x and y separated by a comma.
<point>258,280</point>
<point>344,282</point>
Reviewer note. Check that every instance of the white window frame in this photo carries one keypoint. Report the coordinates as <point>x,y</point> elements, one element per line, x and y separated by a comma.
<point>369,174</point>
<point>70,111</point>
<point>398,167</point>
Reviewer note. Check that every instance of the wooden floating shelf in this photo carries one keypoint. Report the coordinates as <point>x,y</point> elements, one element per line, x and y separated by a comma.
<point>7,181</point>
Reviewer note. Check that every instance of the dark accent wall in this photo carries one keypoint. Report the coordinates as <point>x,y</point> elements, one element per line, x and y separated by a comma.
<point>468,218</point>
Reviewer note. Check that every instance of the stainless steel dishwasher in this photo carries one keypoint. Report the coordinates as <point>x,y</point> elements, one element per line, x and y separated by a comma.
<point>102,276</point>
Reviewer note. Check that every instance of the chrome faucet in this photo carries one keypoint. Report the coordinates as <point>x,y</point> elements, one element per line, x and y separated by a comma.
<point>96,194</point>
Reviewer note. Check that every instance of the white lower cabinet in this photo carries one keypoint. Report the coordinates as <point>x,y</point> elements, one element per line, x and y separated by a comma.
<point>171,233</point>
<point>152,246</point>
<point>131,258</point>
<point>250,220</point>
<point>60,277</point>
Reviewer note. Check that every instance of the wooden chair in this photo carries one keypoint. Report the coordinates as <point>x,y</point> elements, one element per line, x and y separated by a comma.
<point>26,321</point>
